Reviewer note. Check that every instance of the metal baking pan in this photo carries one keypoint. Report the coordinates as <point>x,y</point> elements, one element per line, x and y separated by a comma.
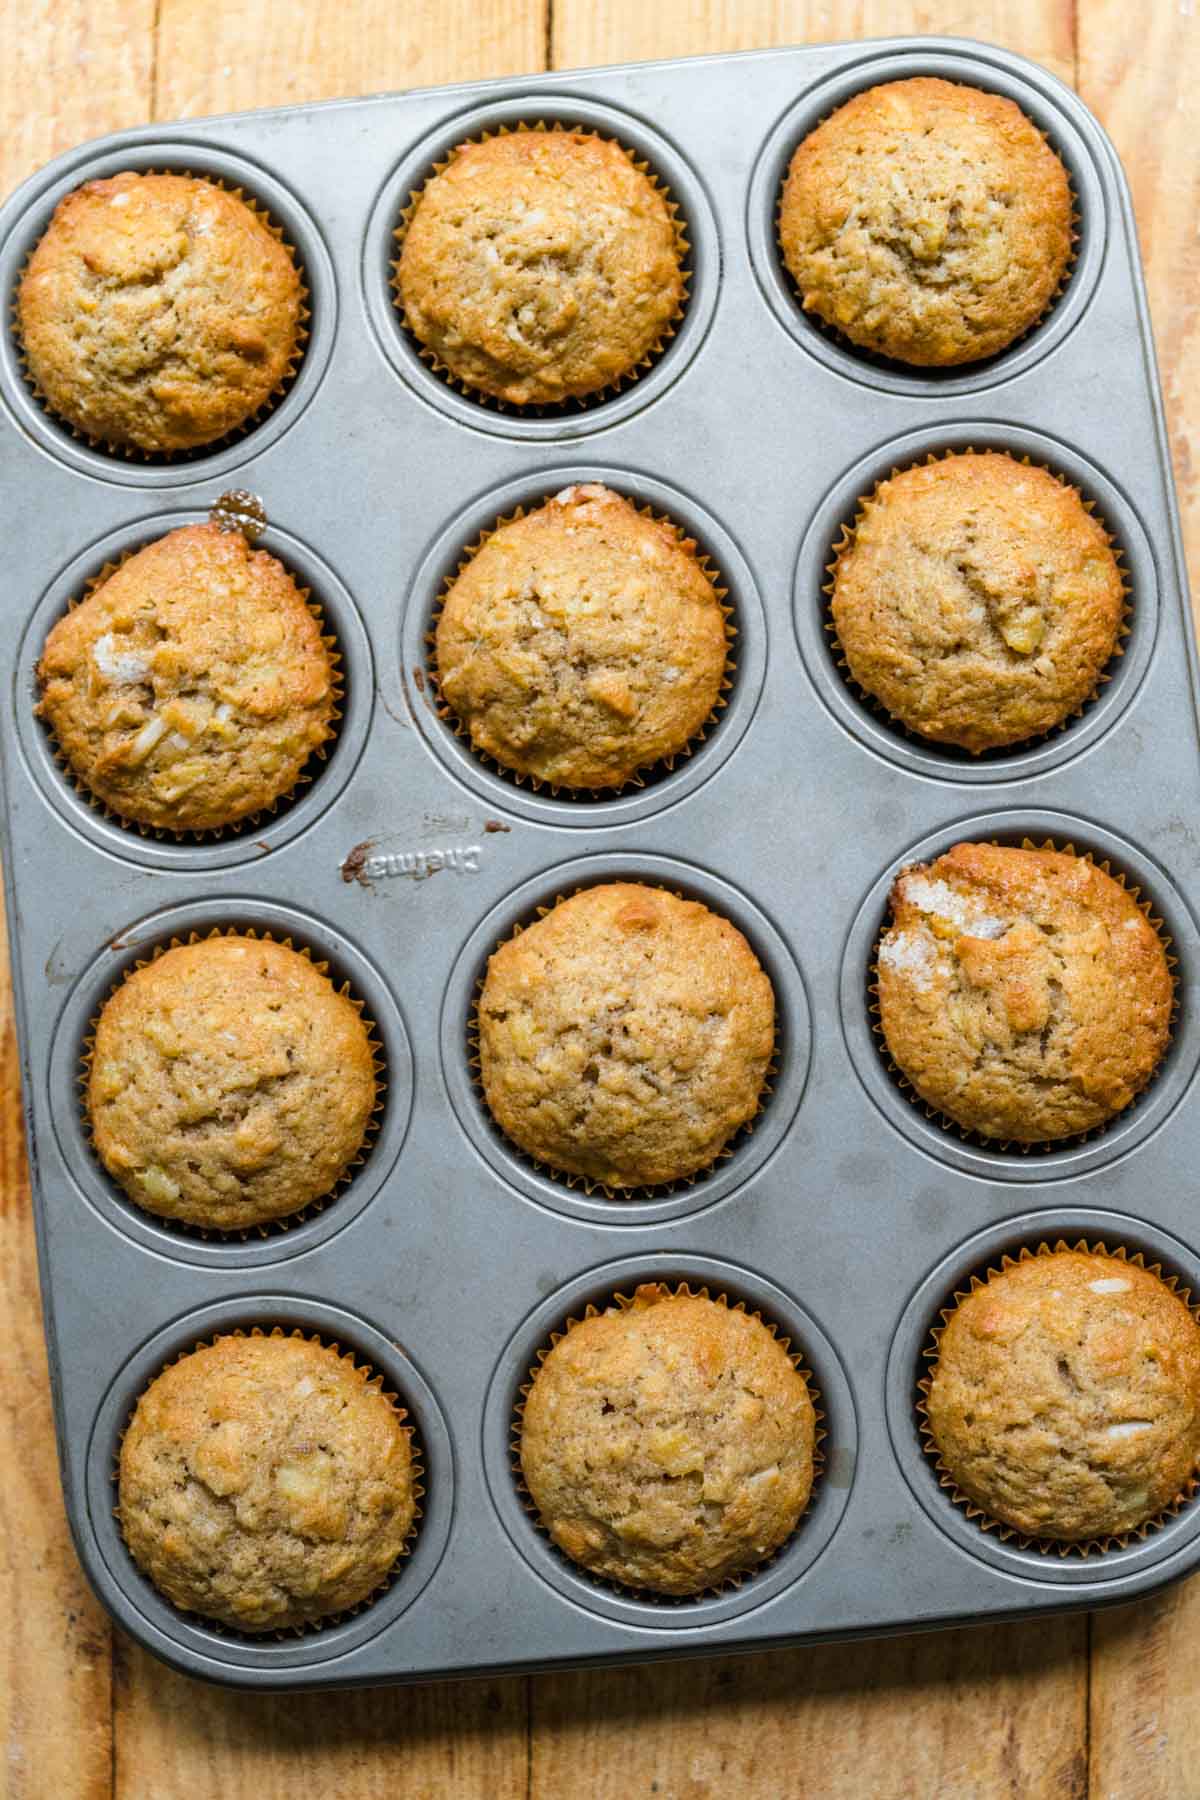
<point>847,1215</point>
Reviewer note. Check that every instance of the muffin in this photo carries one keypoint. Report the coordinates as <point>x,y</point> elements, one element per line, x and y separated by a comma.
<point>582,642</point>
<point>538,266</point>
<point>266,1482</point>
<point>190,688</point>
<point>158,312</point>
<point>668,1444</point>
<point>1065,1401</point>
<point>928,221</point>
<point>978,600</point>
<point>1023,993</point>
<point>229,1084</point>
<point>626,1036</point>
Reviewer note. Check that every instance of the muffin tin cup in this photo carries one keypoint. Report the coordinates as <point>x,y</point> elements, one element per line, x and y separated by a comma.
<point>168,1627</point>
<point>834,1461</point>
<point>449,1259</point>
<point>1165,1538</point>
<point>272,202</point>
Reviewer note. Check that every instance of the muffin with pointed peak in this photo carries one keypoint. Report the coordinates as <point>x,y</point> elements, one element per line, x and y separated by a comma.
<point>158,312</point>
<point>582,642</point>
<point>668,1444</point>
<point>190,688</point>
<point>928,221</point>
<point>230,1083</point>
<point>978,600</point>
<point>1065,1400</point>
<point>540,266</point>
<point>626,1036</point>
<point>266,1483</point>
<point>1024,993</point>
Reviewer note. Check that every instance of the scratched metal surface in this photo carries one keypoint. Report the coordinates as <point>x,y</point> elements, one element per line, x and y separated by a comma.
<point>847,1215</point>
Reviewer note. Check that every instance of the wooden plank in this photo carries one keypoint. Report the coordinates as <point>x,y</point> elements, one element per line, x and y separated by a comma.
<point>624,30</point>
<point>1138,70</point>
<point>964,1713</point>
<point>70,69</point>
<point>466,1739</point>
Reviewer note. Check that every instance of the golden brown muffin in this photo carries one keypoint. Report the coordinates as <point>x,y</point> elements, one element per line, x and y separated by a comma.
<point>625,1036</point>
<point>191,687</point>
<point>158,312</point>
<point>230,1083</point>
<point>927,221</point>
<point>1022,992</point>
<point>540,265</point>
<point>668,1444</point>
<point>583,642</point>
<point>266,1482</point>
<point>977,600</point>
<point>1065,1401</point>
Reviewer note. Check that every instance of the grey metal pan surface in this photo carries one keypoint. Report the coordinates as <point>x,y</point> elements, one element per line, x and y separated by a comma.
<point>847,1216</point>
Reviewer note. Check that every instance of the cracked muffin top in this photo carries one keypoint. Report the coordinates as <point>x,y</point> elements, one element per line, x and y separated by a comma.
<point>977,599</point>
<point>540,266</point>
<point>625,1036</point>
<point>1065,1400</point>
<point>158,312</point>
<point>928,221</point>
<point>582,642</point>
<point>1023,993</point>
<point>265,1482</point>
<point>190,688</point>
<point>668,1444</point>
<point>230,1083</point>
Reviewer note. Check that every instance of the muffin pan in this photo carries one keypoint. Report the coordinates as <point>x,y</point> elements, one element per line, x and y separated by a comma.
<point>847,1215</point>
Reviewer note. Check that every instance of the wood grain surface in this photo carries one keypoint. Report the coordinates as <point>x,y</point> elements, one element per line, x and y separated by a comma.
<point>1062,1708</point>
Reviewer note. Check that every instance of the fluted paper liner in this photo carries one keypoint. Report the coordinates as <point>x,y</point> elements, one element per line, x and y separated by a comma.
<point>249,822</point>
<point>1061,1547</point>
<point>622,1301</point>
<point>663,1190</point>
<point>930,371</point>
<point>845,543</point>
<point>266,1227</point>
<point>572,403</point>
<point>157,458</point>
<point>370,1378</point>
<point>647,773</point>
<point>1048,1146</point>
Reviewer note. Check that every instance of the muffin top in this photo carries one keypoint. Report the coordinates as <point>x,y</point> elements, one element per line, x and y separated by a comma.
<point>158,312</point>
<point>625,1036</point>
<point>190,688</point>
<point>668,1444</point>
<point>540,265</point>
<point>978,600</point>
<point>265,1482</point>
<point>927,221</point>
<point>230,1083</point>
<point>582,642</point>
<point>1022,992</point>
<point>1066,1397</point>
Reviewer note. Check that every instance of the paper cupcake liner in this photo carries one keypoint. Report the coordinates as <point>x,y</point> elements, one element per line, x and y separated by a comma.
<point>1049,1146</point>
<point>663,1190</point>
<point>260,1228</point>
<point>623,1301</point>
<point>1080,1548</point>
<point>647,774</point>
<point>370,1378</point>
<point>572,404</point>
<point>162,458</point>
<point>845,543</point>
<point>931,371</point>
<point>249,822</point>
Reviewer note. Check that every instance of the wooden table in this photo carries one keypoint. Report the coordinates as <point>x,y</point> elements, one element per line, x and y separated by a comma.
<point>1103,1707</point>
